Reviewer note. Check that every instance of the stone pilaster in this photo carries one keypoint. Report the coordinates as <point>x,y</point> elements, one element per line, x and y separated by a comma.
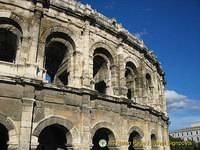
<point>147,135</point>
<point>26,117</point>
<point>25,46</point>
<point>114,79</point>
<point>31,64</point>
<point>86,50</point>
<point>142,78</point>
<point>77,71</point>
<point>163,101</point>
<point>166,137</point>
<point>122,82</point>
<point>26,122</point>
<point>160,134</point>
<point>35,33</point>
<point>137,90</point>
<point>85,123</point>
<point>41,55</point>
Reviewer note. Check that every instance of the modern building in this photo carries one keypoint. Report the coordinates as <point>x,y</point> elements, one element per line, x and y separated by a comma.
<point>105,84</point>
<point>192,133</point>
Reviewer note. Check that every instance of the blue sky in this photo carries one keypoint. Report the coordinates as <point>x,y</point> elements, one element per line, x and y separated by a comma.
<point>171,28</point>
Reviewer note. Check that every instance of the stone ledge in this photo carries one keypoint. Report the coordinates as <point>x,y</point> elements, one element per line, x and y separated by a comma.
<point>84,91</point>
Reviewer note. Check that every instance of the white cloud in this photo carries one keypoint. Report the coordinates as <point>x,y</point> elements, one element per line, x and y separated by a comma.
<point>180,103</point>
<point>182,111</point>
<point>140,34</point>
<point>172,95</point>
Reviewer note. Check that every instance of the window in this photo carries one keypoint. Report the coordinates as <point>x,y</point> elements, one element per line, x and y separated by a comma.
<point>130,76</point>
<point>10,36</point>
<point>59,47</point>
<point>153,138</point>
<point>197,138</point>
<point>191,133</point>
<point>178,134</point>
<point>187,133</point>
<point>196,132</point>
<point>182,134</point>
<point>148,79</point>
<point>8,45</point>
<point>102,62</point>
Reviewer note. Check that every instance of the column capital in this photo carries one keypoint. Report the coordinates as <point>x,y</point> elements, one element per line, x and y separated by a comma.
<point>26,100</point>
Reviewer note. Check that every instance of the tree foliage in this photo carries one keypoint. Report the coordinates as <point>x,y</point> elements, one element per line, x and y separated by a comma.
<point>180,144</point>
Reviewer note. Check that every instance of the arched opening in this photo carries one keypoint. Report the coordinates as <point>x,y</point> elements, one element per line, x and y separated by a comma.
<point>149,87</point>
<point>153,137</point>
<point>101,70</point>
<point>105,134</point>
<point>46,3</point>
<point>8,45</point>
<point>130,75</point>
<point>4,138</point>
<point>153,142</point>
<point>101,87</point>
<point>148,79</point>
<point>134,140</point>
<point>54,55</point>
<point>129,95</point>
<point>10,34</point>
<point>54,137</point>
<point>58,52</point>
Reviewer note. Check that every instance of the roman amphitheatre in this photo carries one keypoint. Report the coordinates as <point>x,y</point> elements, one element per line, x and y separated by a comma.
<point>103,82</point>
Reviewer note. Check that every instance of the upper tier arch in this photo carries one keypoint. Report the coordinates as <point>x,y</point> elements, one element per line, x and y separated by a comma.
<point>105,46</point>
<point>21,22</point>
<point>53,29</point>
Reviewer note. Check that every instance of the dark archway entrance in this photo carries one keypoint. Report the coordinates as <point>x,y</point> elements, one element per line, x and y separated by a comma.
<point>58,56</point>
<point>153,142</point>
<point>55,52</point>
<point>4,138</point>
<point>102,62</point>
<point>131,75</point>
<point>8,45</point>
<point>135,139</point>
<point>103,133</point>
<point>53,137</point>
<point>101,87</point>
<point>100,70</point>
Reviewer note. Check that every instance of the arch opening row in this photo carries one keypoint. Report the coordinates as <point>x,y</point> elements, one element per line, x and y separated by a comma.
<point>56,136</point>
<point>59,60</point>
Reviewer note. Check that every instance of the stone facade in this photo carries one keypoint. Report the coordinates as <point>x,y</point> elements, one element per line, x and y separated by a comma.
<point>103,82</point>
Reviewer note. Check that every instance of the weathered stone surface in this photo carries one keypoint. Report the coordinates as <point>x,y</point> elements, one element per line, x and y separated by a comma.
<point>103,79</point>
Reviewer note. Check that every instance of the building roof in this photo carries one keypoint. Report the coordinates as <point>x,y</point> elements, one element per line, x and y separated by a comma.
<point>186,129</point>
<point>189,128</point>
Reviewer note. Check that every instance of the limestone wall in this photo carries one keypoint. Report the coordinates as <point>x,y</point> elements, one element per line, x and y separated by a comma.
<point>101,75</point>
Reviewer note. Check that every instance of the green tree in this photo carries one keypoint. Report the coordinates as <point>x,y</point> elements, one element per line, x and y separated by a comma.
<point>179,144</point>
